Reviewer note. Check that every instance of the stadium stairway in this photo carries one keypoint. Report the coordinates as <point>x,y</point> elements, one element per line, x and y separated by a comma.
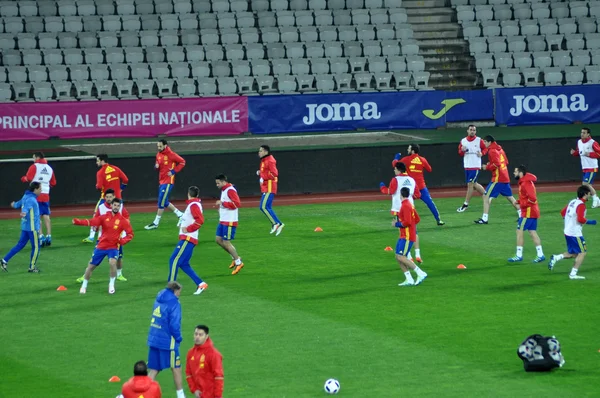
<point>442,45</point>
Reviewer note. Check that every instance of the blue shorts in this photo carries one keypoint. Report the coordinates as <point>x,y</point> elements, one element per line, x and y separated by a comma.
<point>498,188</point>
<point>163,359</point>
<point>99,255</point>
<point>527,224</point>
<point>403,247</point>
<point>164,191</point>
<point>227,232</point>
<point>120,252</point>
<point>590,176</point>
<point>575,244</point>
<point>44,208</point>
<point>471,176</point>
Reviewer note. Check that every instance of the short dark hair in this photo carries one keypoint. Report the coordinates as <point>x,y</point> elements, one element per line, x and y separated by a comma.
<point>405,192</point>
<point>471,125</point>
<point>194,191</point>
<point>117,200</point>
<point>522,168</point>
<point>221,177</point>
<point>489,138</point>
<point>202,327</point>
<point>587,130</point>
<point>266,148</point>
<point>39,155</point>
<point>109,190</point>
<point>34,185</point>
<point>174,286</point>
<point>103,157</point>
<point>415,147</point>
<point>164,142</point>
<point>140,369</point>
<point>582,191</point>
<point>401,167</point>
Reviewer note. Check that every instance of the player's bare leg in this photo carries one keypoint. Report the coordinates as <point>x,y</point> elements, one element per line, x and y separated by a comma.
<point>86,278</point>
<point>113,275</point>
<point>471,187</point>
<point>47,240</point>
<point>487,201</point>
<point>230,249</point>
<point>519,256</point>
<point>152,373</point>
<point>175,210</point>
<point>120,270</point>
<point>578,261</point>
<point>406,265</point>
<point>177,379</point>
<point>538,247</point>
<point>418,250</point>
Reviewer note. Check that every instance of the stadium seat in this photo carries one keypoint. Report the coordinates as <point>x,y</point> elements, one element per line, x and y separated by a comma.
<point>78,72</point>
<point>37,73</point>
<point>592,74</point>
<point>536,43</point>
<point>27,41</point>
<point>503,61</point>
<point>99,73</point>
<point>397,64</point>
<point>553,76</point>
<point>200,70</point>
<point>561,59</point>
<point>580,58</point>
<point>265,84</point>
<point>421,80</point>
<point>503,12</point>
<point>186,88</point>
<point>124,89</point>
<point>484,61</point>
<point>592,41</point>
<point>62,90</point>
<point>344,82</point>
<point>22,91</point>
<point>306,83</point>
<point>300,67</point>
<point>319,66</point>
<point>17,74</point>
<point>84,89</point>
<point>490,77</point>
<point>261,67</point>
<point>403,80</point>
<point>471,29</point>
<point>324,83</point>
<point>287,84</point>
<point>339,65</point>
<point>119,72</point>
<point>516,44</point>
<point>43,91</point>
<point>511,78</point>
<point>145,88</point>
<point>573,75</point>
<point>522,60</point>
<point>531,77</point>
<point>383,82</point>
<point>490,28</point>
<point>220,68</point>
<point>58,73</point>
<point>357,64</point>
<point>281,66</point>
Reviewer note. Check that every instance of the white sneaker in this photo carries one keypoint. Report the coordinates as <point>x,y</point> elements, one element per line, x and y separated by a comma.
<point>406,283</point>
<point>151,226</point>
<point>420,279</point>
<point>111,290</point>
<point>280,229</point>
<point>201,287</point>
<point>576,277</point>
<point>596,204</point>
<point>462,208</point>
<point>82,290</point>
<point>274,228</point>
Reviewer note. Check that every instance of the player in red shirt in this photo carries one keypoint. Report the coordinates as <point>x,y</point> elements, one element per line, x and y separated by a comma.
<point>41,172</point>
<point>113,224</point>
<point>530,212</point>
<point>140,385</point>
<point>204,366</point>
<point>408,218</point>
<point>168,163</point>
<point>416,165</point>
<point>500,183</point>
<point>108,177</point>
<point>269,176</point>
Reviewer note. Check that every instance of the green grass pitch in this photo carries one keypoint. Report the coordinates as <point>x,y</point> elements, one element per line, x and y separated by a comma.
<point>309,306</point>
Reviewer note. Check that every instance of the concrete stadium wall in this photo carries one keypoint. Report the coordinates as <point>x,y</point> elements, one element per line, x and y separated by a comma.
<point>307,171</point>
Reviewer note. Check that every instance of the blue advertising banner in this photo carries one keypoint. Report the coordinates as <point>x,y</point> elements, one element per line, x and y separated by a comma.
<point>398,110</point>
<point>548,105</point>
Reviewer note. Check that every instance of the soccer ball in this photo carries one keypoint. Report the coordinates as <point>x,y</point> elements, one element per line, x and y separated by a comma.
<point>538,352</point>
<point>553,345</point>
<point>525,352</point>
<point>332,386</point>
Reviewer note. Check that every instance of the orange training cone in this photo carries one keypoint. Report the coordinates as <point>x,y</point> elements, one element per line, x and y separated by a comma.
<point>388,249</point>
<point>61,288</point>
<point>318,229</point>
<point>114,379</point>
<point>461,266</point>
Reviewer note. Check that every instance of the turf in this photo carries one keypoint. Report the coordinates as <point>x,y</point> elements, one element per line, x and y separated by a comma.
<point>309,306</point>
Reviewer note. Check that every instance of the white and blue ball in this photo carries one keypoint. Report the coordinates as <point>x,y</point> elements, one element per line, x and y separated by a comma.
<point>332,386</point>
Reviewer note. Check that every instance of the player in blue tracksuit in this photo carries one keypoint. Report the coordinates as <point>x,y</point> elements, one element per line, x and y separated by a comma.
<point>164,336</point>
<point>30,227</point>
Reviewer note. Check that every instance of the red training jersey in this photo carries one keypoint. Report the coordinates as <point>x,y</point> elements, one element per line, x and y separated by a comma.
<point>166,161</point>
<point>269,174</point>
<point>109,207</point>
<point>528,197</point>
<point>112,227</point>
<point>409,218</point>
<point>30,175</point>
<point>204,370</point>
<point>498,163</point>
<point>415,165</point>
<point>141,386</point>
<point>110,177</point>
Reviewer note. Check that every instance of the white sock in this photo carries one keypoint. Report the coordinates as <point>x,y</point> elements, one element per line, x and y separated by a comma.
<point>119,272</point>
<point>595,197</point>
<point>178,213</point>
<point>111,283</point>
<point>417,252</point>
<point>92,233</point>
<point>539,251</point>
<point>409,277</point>
<point>49,236</point>
<point>419,271</point>
<point>238,261</point>
<point>180,394</point>
<point>519,251</point>
<point>484,217</point>
<point>465,204</point>
<point>573,271</point>
<point>156,220</point>
<point>408,256</point>
<point>84,283</point>
<point>559,257</point>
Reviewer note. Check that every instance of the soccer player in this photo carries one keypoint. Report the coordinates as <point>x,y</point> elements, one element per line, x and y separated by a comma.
<point>168,163</point>
<point>204,366</point>
<point>402,179</point>
<point>588,151</point>
<point>471,148</point>
<point>41,172</point>
<point>500,184</point>
<point>30,227</point>
<point>140,384</point>
<point>530,212</point>
<point>228,220</point>
<point>189,224</point>
<point>108,177</point>
<point>574,214</point>
<point>102,210</point>
<point>269,175</point>
<point>408,218</point>
<point>113,224</point>
<point>415,164</point>
<point>165,337</point>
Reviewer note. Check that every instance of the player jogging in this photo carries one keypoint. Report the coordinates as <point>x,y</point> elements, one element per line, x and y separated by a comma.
<point>228,205</point>
<point>401,180</point>
<point>168,163</point>
<point>108,177</point>
<point>500,183</point>
<point>102,210</point>
<point>471,148</point>
<point>408,218</point>
<point>588,151</point>
<point>41,172</point>
<point>30,227</point>
<point>415,165</point>
<point>189,224</point>
<point>530,212</point>
<point>574,214</point>
<point>269,176</point>
<point>113,224</point>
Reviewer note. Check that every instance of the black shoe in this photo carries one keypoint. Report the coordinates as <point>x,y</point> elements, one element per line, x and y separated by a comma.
<point>440,222</point>
<point>480,221</point>
<point>34,270</point>
<point>4,265</point>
